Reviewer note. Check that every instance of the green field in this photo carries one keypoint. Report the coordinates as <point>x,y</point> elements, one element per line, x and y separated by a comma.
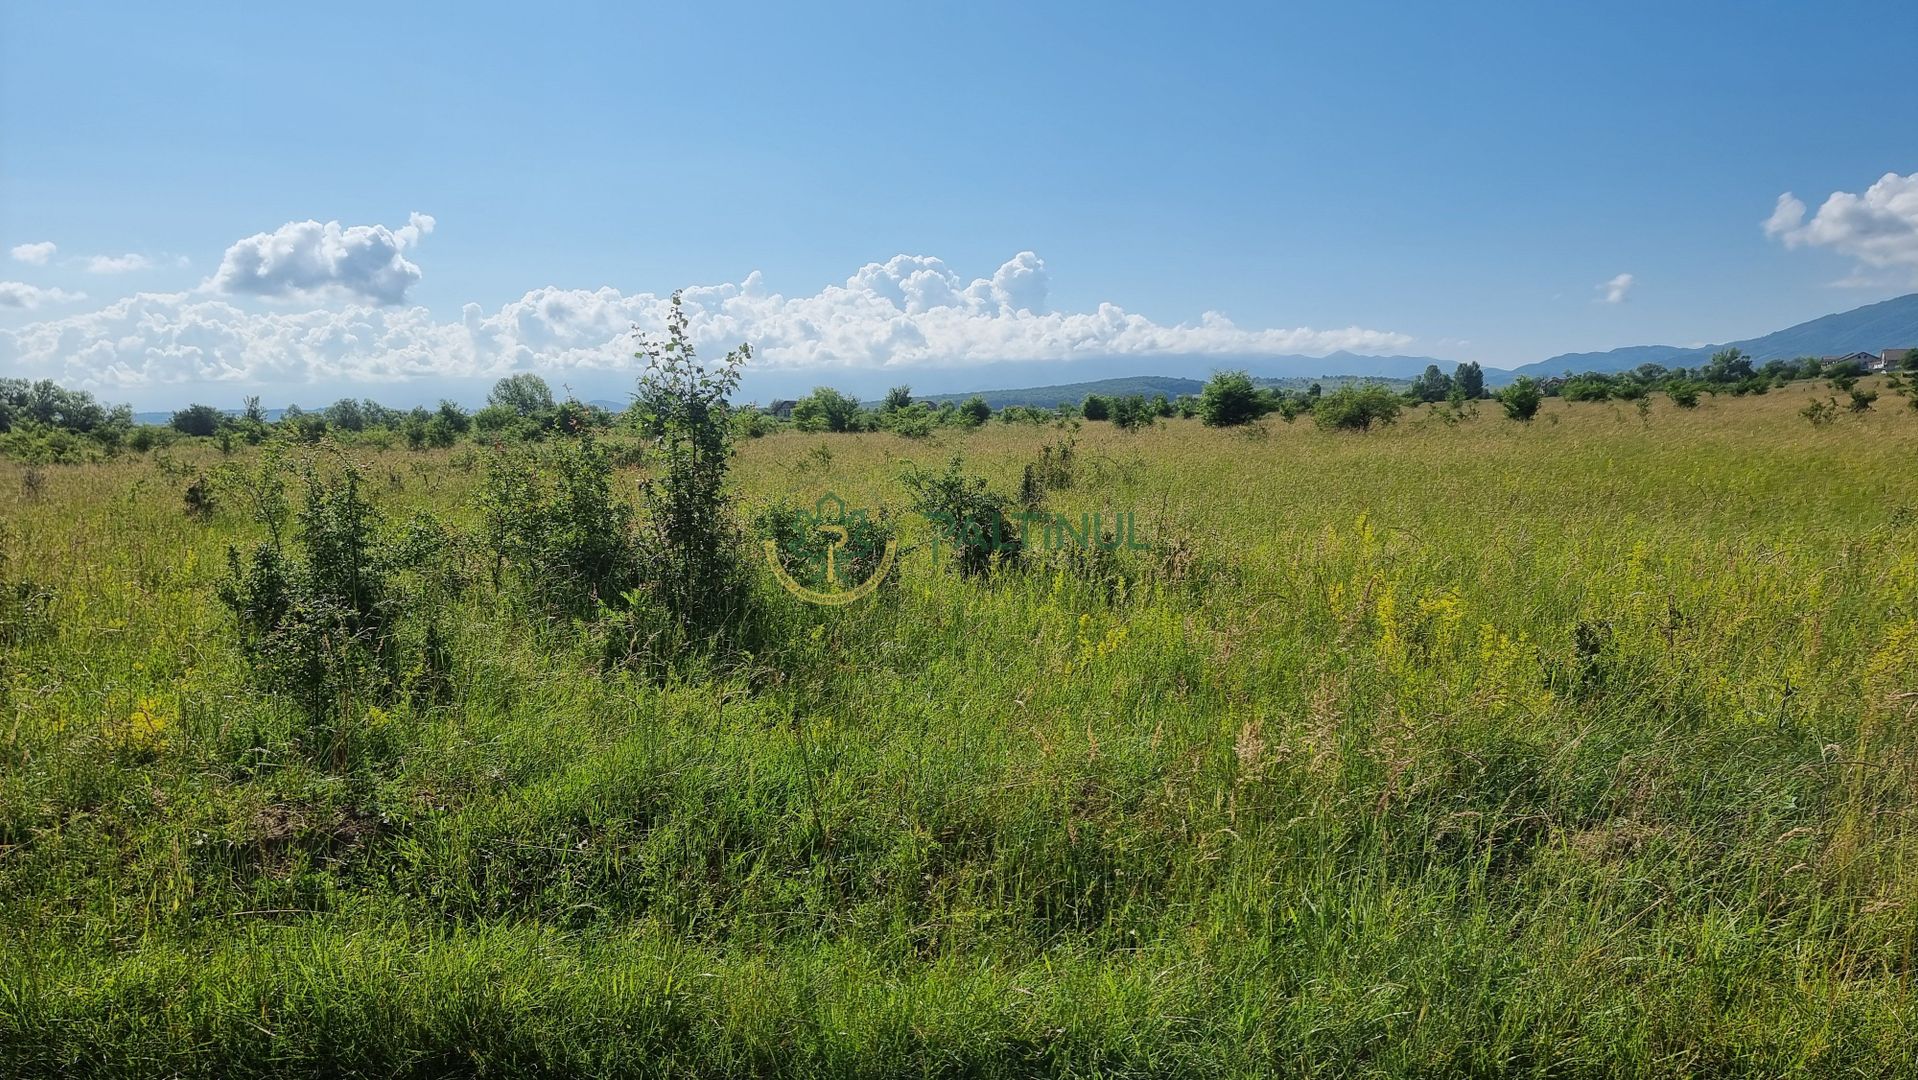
<point>1582,747</point>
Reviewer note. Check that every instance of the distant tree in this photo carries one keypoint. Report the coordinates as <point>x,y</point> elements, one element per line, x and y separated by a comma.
<point>1522,398</point>
<point>899,397</point>
<point>1470,380</point>
<point>1164,407</point>
<point>346,414</point>
<point>1728,365</point>
<point>200,420</point>
<point>1911,360</point>
<point>975,411</point>
<point>826,409</point>
<point>47,403</point>
<point>1133,412</point>
<point>1357,407</point>
<point>1229,399</point>
<point>526,394</point>
<point>454,417</point>
<point>251,411</point>
<point>1431,385</point>
<point>1683,394</point>
<point>1096,407</point>
<point>1590,386</point>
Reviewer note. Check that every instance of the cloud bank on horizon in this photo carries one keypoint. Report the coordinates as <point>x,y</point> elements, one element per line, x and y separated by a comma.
<point>911,311</point>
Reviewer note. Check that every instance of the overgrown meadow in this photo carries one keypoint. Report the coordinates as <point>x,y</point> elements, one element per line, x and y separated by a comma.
<point>1576,747</point>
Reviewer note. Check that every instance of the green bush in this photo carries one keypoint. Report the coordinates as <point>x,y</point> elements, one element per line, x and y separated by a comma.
<point>1132,412</point>
<point>826,409</point>
<point>554,524</point>
<point>324,626</point>
<point>1357,408</point>
<point>1229,399</point>
<point>805,540</point>
<point>691,545</point>
<point>1522,399</point>
<point>971,520</point>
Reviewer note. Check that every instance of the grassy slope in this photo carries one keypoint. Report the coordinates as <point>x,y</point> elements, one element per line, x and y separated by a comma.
<point>1326,791</point>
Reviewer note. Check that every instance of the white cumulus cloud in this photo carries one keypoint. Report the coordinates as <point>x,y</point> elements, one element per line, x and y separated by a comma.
<point>1617,289</point>
<point>18,294</point>
<point>1878,228</point>
<point>311,260</point>
<point>908,312</point>
<point>117,264</point>
<point>36,254</point>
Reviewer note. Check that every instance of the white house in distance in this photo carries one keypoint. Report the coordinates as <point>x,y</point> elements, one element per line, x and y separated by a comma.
<point>1872,363</point>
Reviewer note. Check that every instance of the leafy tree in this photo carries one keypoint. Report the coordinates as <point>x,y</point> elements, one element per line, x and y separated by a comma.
<point>1590,386</point>
<point>1357,408</point>
<point>526,394</point>
<point>1132,412</point>
<point>692,546</point>
<point>1431,385</point>
<point>1683,394</point>
<point>1229,399</point>
<point>346,414</point>
<point>826,409</point>
<point>1522,398</point>
<point>975,411</point>
<point>202,420</point>
<point>1728,365</point>
<point>1096,407</point>
<point>453,417</point>
<point>899,397</point>
<point>47,403</point>
<point>1470,380</point>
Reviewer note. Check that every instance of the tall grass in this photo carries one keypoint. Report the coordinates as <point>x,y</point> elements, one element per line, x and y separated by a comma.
<point>1576,747</point>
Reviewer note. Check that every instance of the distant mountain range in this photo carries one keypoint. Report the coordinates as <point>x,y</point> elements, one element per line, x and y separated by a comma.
<point>1891,324</point>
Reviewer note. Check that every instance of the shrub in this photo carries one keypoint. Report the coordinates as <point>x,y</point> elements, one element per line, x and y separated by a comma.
<point>200,420</point>
<point>1862,398</point>
<point>320,628</point>
<point>825,409</point>
<point>1521,399</point>
<point>550,515</point>
<point>805,542</point>
<point>1054,471</point>
<point>691,544</point>
<point>525,394</point>
<point>1096,407</point>
<point>969,516</point>
<point>1356,408</point>
<point>1133,412</point>
<point>975,411</point>
<point>1820,413</point>
<point>1229,399</point>
<point>1683,395</point>
<point>199,498</point>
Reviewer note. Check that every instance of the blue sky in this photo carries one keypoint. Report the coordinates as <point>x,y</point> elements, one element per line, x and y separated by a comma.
<point>1465,181</point>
